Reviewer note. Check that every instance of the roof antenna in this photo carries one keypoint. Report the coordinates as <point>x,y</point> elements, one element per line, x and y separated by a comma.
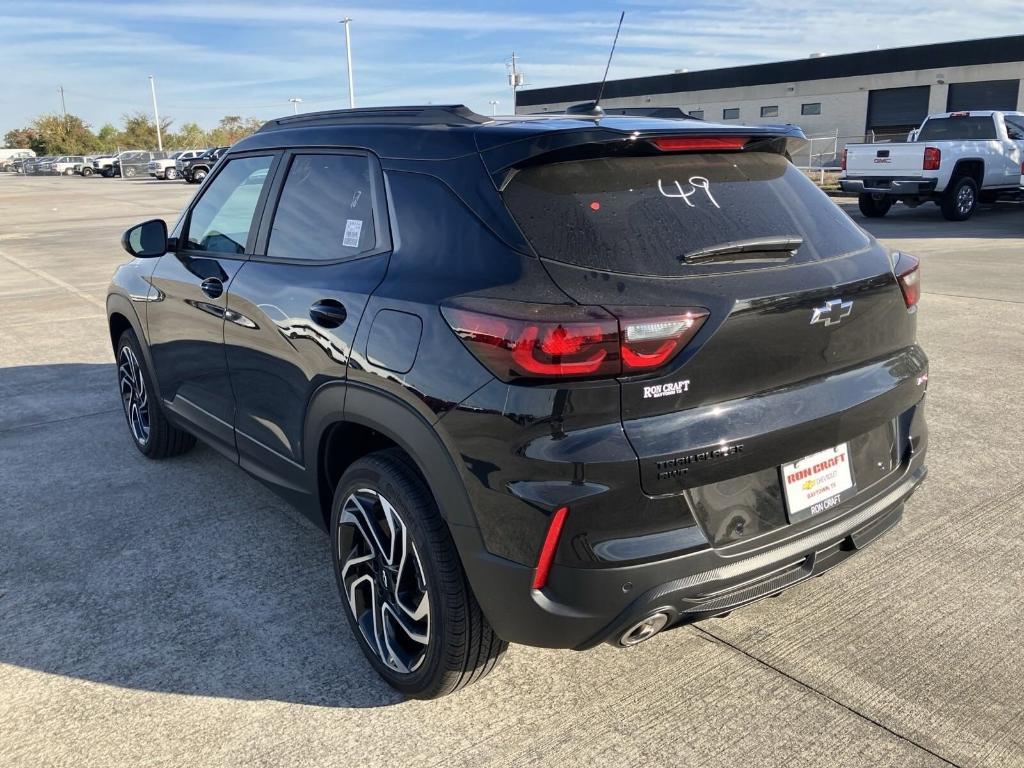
<point>593,108</point>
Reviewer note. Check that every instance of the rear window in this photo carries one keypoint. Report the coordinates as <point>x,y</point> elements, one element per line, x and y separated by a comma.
<point>641,215</point>
<point>957,128</point>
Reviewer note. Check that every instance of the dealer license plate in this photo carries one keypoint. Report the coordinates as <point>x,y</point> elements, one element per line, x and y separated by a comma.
<point>818,482</point>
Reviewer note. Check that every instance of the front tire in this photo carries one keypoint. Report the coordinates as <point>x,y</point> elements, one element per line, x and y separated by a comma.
<point>960,200</point>
<point>129,172</point>
<point>87,172</point>
<point>872,208</point>
<point>171,174</point>
<point>198,176</point>
<point>401,583</point>
<point>153,435</point>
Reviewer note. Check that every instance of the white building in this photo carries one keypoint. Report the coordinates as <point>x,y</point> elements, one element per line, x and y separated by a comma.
<point>853,96</point>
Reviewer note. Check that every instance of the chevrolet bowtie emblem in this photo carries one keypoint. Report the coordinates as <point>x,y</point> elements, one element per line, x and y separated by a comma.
<point>831,312</point>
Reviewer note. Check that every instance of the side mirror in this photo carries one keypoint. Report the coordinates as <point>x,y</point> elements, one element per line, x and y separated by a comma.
<point>146,240</point>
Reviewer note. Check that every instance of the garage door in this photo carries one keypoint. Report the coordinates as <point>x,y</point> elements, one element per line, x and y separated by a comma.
<point>894,112</point>
<point>987,94</point>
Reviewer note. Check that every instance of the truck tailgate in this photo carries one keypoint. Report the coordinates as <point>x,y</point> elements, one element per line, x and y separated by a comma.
<point>905,160</point>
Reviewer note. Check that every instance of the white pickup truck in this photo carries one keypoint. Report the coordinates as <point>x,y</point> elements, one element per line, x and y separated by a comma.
<point>955,159</point>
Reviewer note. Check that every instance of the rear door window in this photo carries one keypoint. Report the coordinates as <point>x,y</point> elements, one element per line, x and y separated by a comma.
<point>641,215</point>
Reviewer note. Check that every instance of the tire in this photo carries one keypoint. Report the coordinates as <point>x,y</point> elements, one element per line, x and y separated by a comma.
<point>153,435</point>
<point>171,174</point>
<point>107,173</point>
<point>960,200</point>
<point>430,637</point>
<point>87,172</point>
<point>198,175</point>
<point>872,208</point>
<point>129,172</point>
<point>69,172</point>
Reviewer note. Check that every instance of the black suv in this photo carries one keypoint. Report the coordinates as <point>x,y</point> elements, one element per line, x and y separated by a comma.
<point>557,380</point>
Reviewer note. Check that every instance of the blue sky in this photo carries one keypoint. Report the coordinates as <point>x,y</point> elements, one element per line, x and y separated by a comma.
<point>249,57</point>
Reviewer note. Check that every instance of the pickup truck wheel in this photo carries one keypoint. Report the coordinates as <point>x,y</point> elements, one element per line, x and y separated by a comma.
<point>198,175</point>
<point>107,173</point>
<point>87,172</point>
<point>129,172</point>
<point>872,208</point>
<point>171,174</point>
<point>960,199</point>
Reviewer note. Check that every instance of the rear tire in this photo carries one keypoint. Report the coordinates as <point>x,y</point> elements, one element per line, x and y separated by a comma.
<point>153,435</point>
<point>872,208</point>
<point>960,200</point>
<point>129,172</point>
<point>410,607</point>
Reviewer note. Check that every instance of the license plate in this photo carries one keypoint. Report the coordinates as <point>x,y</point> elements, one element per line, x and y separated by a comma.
<point>818,482</point>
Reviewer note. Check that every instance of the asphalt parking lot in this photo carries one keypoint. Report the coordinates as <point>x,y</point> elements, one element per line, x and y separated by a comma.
<point>177,613</point>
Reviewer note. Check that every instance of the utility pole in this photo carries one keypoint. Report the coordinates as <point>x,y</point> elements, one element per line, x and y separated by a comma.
<point>515,78</point>
<point>63,106</point>
<point>494,106</point>
<point>295,104</point>
<point>348,55</point>
<point>156,116</point>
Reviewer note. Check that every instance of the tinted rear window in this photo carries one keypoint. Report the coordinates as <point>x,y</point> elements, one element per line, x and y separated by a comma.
<point>957,128</point>
<point>640,215</point>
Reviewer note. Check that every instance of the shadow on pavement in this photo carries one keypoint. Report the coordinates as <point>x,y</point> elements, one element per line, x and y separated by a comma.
<point>182,576</point>
<point>1001,220</point>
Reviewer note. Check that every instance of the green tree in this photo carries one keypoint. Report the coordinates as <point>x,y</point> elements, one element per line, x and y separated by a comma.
<point>20,138</point>
<point>139,130</point>
<point>108,137</point>
<point>232,128</point>
<point>63,135</point>
<point>191,136</point>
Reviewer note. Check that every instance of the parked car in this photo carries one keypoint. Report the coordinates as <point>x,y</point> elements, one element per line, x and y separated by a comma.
<point>9,156</point>
<point>64,165</point>
<point>134,163</point>
<point>518,418</point>
<point>166,167</point>
<point>84,168</point>
<point>33,165</point>
<point>102,165</point>
<point>198,168</point>
<point>955,159</point>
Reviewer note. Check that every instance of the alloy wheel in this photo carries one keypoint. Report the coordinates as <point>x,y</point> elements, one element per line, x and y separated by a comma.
<point>133,394</point>
<point>383,580</point>
<point>964,199</point>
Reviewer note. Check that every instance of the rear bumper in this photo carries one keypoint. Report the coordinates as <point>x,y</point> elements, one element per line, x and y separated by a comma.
<point>581,608</point>
<point>889,186</point>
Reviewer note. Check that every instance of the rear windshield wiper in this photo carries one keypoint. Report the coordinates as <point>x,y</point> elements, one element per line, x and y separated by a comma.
<point>784,247</point>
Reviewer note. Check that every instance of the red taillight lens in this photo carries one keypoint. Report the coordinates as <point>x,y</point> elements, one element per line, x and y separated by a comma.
<point>908,273</point>
<point>932,158</point>
<point>547,550</point>
<point>516,340</point>
<point>698,143</point>
<point>842,162</point>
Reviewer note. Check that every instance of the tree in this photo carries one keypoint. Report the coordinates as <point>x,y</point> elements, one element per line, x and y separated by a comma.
<point>139,130</point>
<point>63,135</point>
<point>191,136</point>
<point>108,137</point>
<point>20,138</point>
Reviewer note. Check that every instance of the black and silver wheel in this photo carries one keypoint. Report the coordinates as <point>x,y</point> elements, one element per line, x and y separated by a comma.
<point>171,174</point>
<point>960,200</point>
<point>873,207</point>
<point>87,172</point>
<point>198,175</point>
<point>401,583</point>
<point>129,172</point>
<point>152,434</point>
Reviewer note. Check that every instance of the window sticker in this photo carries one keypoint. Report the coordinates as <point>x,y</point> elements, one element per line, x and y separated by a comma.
<point>353,228</point>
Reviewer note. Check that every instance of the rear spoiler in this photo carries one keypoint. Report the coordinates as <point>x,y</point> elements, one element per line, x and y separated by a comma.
<point>635,136</point>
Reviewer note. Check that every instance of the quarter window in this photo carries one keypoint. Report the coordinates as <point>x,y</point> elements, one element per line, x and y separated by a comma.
<point>731,113</point>
<point>697,113</point>
<point>221,220</point>
<point>1014,128</point>
<point>814,108</point>
<point>770,111</point>
<point>326,209</point>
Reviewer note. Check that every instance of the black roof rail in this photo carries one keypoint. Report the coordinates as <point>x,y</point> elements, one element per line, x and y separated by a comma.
<point>431,114</point>
<point>666,112</point>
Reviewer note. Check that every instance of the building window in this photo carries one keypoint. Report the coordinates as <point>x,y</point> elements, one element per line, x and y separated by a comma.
<point>697,113</point>
<point>811,109</point>
<point>732,113</point>
<point>770,111</point>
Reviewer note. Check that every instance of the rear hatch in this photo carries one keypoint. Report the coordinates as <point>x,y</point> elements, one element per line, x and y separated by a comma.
<point>807,343</point>
<point>871,160</point>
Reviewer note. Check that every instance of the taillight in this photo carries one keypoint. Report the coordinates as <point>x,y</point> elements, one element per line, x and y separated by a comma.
<point>698,143</point>
<point>842,162</point>
<point>548,549</point>
<point>908,274</point>
<point>932,158</point>
<point>543,341</point>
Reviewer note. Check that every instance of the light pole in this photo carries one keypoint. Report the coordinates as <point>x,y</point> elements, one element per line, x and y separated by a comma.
<point>156,115</point>
<point>494,106</point>
<point>295,104</point>
<point>348,55</point>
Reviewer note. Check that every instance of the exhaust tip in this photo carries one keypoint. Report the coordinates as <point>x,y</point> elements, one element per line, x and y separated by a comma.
<point>644,629</point>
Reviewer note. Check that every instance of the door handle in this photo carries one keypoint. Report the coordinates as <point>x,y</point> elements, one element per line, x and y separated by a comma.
<point>212,287</point>
<point>328,313</point>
